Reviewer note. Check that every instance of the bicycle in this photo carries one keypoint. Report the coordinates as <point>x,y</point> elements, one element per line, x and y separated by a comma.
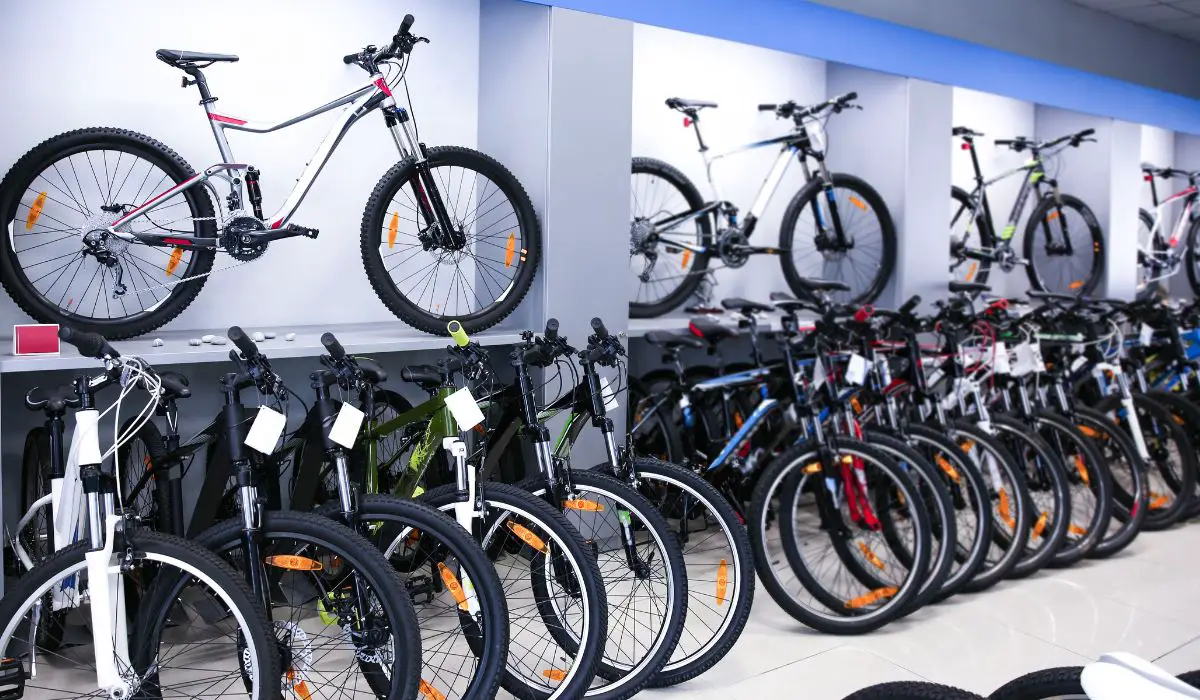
<point>147,251</point>
<point>108,580</point>
<point>853,235</point>
<point>1158,255</point>
<point>1067,256</point>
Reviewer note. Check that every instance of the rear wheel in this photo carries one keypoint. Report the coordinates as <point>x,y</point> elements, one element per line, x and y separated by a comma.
<point>1050,226</point>
<point>969,230</point>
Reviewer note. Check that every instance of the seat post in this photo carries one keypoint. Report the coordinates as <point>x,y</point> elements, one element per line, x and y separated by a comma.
<point>694,115</point>
<point>206,97</point>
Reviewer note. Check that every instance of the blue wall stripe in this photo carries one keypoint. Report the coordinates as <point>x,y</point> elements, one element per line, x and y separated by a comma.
<point>799,27</point>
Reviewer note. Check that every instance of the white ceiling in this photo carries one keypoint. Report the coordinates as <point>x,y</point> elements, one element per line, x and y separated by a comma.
<point>1178,17</point>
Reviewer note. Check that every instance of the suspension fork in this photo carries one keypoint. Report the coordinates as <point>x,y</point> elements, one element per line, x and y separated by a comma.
<point>831,200</point>
<point>429,201</point>
<point>1069,249</point>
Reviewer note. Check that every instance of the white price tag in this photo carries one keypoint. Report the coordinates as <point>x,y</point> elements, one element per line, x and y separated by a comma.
<point>856,372</point>
<point>1001,364</point>
<point>818,379</point>
<point>466,412</point>
<point>610,397</point>
<point>1146,336</point>
<point>266,430</point>
<point>1039,364</point>
<point>1024,363</point>
<point>345,427</point>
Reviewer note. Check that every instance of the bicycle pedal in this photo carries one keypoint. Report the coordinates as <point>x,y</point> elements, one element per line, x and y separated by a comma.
<point>12,679</point>
<point>421,589</point>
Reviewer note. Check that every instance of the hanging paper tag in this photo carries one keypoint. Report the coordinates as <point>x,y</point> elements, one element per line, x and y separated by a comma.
<point>466,412</point>
<point>856,373</point>
<point>345,426</point>
<point>818,378</point>
<point>265,431</point>
<point>610,397</point>
<point>1002,364</point>
<point>1039,364</point>
<point>1027,361</point>
<point>1146,336</point>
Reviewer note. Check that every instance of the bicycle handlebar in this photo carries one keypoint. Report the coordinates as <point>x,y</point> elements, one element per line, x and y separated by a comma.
<point>551,333</point>
<point>598,328</point>
<point>243,342</point>
<point>336,351</point>
<point>88,344</point>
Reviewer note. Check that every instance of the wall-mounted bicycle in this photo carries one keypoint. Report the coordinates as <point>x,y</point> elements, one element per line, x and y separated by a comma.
<point>1159,257</point>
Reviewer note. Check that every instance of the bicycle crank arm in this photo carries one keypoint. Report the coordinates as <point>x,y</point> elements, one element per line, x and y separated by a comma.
<point>759,250</point>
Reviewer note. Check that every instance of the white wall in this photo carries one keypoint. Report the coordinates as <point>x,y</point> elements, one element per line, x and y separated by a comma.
<point>738,77</point>
<point>80,64</point>
<point>998,118</point>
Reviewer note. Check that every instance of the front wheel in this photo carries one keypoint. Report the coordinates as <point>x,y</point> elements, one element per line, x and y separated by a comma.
<point>841,232</point>
<point>453,237</point>
<point>1064,246</point>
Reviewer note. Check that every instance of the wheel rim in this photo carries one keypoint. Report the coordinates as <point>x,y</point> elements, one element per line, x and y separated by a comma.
<point>816,254</point>
<point>1058,273</point>
<point>658,268</point>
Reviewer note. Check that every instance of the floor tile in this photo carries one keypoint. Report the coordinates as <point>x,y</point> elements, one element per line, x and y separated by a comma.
<point>1182,659</point>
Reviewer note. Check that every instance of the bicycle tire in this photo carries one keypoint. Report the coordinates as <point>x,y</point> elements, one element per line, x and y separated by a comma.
<point>150,619</point>
<point>654,477</point>
<point>30,166</point>
<point>587,651</point>
<point>911,690</point>
<point>657,435</point>
<point>357,555</point>
<point>1062,683</point>
<point>390,522</point>
<point>131,470</point>
<point>1129,509</point>
<point>1186,414</point>
<point>987,239</point>
<point>1192,258</point>
<point>35,483</point>
<point>1046,211</point>
<point>867,199</point>
<point>1088,477</point>
<point>527,253</point>
<point>698,261</point>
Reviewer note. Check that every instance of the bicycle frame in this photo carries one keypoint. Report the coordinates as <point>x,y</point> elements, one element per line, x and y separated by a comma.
<point>356,104</point>
<point>1160,248</point>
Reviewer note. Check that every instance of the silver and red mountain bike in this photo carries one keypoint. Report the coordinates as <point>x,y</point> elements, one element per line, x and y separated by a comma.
<point>110,231</point>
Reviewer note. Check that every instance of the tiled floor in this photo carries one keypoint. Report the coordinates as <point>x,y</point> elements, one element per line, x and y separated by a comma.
<point>1145,601</point>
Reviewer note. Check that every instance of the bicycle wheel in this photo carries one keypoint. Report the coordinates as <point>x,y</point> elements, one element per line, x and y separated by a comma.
<point>1008,501</point>
<point>943,525</point>
<point>1187,415</point>
<point>963,223</point>
<point>667,274</point>
<point>864,260</point>
<point>478,272</point>
<point>1131,493</point>
<point>38,536</point>
<point>805,525</point>
<point>214,641</point>
<point>1047,489</point>
<point>1191,257</point>
<point>720,572</point>
<point>460,604</point>
<point>911,690</point>
<point>136,459</point>
<point>558,615</point>
<point>968,497</point>
<point>1061,683</point>
<point>341,615</point>
<point>1089,482</point>
<point>1051,228</point>
<point>1171,478</point>
<point>652,425</point>
<point>59,263</point>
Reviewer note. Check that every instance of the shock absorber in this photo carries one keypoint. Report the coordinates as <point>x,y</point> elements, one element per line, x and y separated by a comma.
<point>254,192</point>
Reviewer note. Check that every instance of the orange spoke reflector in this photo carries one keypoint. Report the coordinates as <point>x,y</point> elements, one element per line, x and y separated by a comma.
<point>293,562</point>
<point>1159,502</point>
<point>554,674</point>
<point>510,249</point>
<point>858,203</point>
<point>1089,432</point>
<point>1006,510</point>
<point>146,461</point>
<point>871,556</point>
<point>413,538</point>
<point>738,420</point>
<point>1076,530</point>
<point>35,211</point>
<point>967,445</point>
<point>453,585</point>
<point>1040,526</point>
<point>1083,472</point>
<point>393,226</point>
<point>1178,419</point>
<point>687,258</point>
<point>583,504</point>
<point>972,270</point>
<point>722,582</point>
<point>855,404</point>
<point>1077,284</point>
<point>948,468</point>
<point>1052,216</point>
<point>527,537</point>
<point>872,597</point>
<point>812,468</point>
<point>430,692</point>
<point>173,261</point>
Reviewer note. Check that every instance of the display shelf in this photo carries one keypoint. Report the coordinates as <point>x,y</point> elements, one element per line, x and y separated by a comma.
<point>639,327</point>
<point>356,338</point>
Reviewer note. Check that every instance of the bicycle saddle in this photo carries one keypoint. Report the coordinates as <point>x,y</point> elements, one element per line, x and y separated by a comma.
<point>174,57</point>
<point>669,340</point>
<point>174,385</point>
<point>1050,296</point>
<point>425,376</point>
<point>56,400</point>
<point>818,285</point>
<point>970,287</point>
<point>1122,675</point>
<point>371,370</point>
<point>710,330</point>
<point>965,131</point>
<point>681,103</point>
<point>746,306</point>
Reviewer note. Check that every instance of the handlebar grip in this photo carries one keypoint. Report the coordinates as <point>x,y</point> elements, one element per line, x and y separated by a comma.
<point>336,351</point>
<point>551,333</point>
<point>238,337</point>
<point>1005,142</point>
<point>1086,132</point>
<point>848,97</point>
<point>457,332</point>
<point>406,24</point>
<point>910,305</point>
<point>598,327</point>
<point>349,58</point>
<point>767,108</point>
<point>88,344</point>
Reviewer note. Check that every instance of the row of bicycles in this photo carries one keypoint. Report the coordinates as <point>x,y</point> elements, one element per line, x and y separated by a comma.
<point>887,459</point>
<point>343,542</point>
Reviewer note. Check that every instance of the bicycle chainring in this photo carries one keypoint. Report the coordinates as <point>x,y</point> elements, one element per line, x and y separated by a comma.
<point>731,244</point>
<point>236,240</point>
